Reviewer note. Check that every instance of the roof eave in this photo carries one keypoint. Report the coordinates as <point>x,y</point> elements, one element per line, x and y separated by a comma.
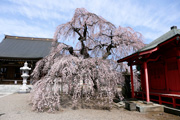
<point>128,57</point>
<point>147,51</point>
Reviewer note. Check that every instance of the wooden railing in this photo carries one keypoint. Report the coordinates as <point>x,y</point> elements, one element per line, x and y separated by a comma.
<point>173,97</point>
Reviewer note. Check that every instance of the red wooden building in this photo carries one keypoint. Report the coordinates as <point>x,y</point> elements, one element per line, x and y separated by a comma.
<point>159,64</point>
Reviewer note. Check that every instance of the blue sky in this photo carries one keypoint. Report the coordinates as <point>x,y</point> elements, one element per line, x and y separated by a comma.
<point>39,18</point>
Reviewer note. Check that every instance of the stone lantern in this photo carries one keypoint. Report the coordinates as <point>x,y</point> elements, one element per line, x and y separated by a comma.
<point>25,74</point>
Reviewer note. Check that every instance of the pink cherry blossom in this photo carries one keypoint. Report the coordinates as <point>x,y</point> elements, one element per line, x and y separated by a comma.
<point>86,73</point>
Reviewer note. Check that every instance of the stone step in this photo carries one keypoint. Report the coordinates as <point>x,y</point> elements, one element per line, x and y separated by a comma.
<point>150,108</point>
<point>143,106</point>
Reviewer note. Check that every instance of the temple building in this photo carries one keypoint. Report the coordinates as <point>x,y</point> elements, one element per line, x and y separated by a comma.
<point>15,50</point>
<point>159,65</point>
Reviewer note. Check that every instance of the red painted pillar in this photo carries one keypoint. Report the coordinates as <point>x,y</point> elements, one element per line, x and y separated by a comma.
<point>146,82</point>
<point>132,83</point>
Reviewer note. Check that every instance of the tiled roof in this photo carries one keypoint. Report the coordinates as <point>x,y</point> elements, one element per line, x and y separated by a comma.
<point>161,39</point>
<point>24,47</point>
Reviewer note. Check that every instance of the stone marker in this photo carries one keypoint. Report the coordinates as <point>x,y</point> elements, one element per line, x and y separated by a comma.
<point>130,106</point>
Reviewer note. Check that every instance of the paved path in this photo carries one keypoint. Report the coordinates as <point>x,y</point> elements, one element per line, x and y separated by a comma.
<point>6,90</point>
<point>16,107</point>
<point>4,94</point>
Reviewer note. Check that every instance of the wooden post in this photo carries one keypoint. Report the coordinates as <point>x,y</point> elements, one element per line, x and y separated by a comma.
<point>146,82</point>
<point>174,102</point>
<point>132,83</point>
<point>160,100</point>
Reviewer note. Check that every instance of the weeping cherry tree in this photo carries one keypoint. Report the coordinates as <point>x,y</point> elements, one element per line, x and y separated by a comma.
<point>85,74</point>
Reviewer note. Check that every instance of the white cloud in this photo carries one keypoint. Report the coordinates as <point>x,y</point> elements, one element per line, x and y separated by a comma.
<point>20,28</point>
<point>152,18</point>
<point>32,12</point>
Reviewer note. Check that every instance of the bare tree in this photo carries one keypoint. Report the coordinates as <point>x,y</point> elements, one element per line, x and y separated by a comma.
<point>87,71</point>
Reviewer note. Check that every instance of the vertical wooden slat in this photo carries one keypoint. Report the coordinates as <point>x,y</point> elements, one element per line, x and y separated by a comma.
<point>174,102</point>
<point>160,101</point>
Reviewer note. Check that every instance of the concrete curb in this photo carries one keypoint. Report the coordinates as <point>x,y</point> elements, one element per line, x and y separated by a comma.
<point>171,110</point>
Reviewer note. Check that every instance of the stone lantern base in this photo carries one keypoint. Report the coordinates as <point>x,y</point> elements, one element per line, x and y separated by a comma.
<point>24,89</point>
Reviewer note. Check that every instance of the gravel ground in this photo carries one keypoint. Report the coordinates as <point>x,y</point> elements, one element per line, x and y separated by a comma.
<point>16,107</point>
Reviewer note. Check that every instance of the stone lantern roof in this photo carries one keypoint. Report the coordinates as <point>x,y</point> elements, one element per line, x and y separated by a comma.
<point>25,67</point>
